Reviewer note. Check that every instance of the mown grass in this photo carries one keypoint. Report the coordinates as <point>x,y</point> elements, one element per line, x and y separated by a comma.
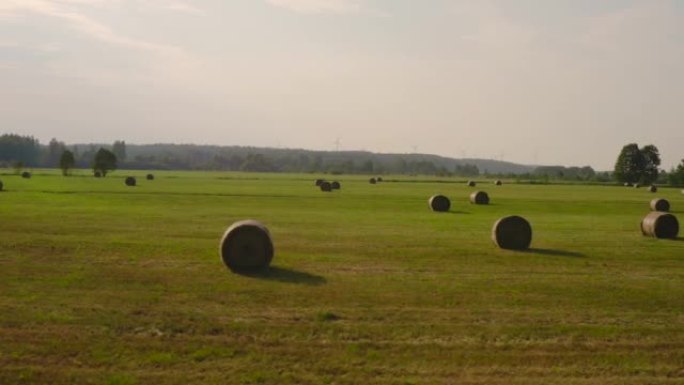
<point>106,284</point>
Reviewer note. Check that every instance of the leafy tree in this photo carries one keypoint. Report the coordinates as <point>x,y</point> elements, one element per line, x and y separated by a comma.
<point>67,162</point>
<point>676,175</point>
<point>636,164</point>
<point>119,149</point>
<point>105,161</point>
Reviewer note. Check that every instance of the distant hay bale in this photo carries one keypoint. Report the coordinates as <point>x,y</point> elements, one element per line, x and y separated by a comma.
<point>636,185</point>
<point>97,174</point>
<point>439,203</point>
<point>498,183</point>
<point>660,204</point>
<point>479,198</point>
<point>318,182</point>
<point>246,246</point>
<point>372,181</point>
<point>130,181</point>
<point>660,225</point>
<point>627,184</point>
<point>471,183</point>
<point>150,177</point>
<point>653,188</point>
<point>26,175</point>
<point>335,185</point>
<point>326,187</point>
<point>378,179</point>
<point>512,233</point>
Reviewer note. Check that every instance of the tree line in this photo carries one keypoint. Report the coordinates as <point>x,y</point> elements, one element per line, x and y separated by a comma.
<point>634,164</point>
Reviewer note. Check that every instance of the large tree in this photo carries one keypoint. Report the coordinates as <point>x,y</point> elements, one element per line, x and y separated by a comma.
<point>105,161</point>
<point>67,162</point>
<point>637,165</point>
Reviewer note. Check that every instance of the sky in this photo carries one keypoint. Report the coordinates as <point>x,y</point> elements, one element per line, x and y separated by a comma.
<point>555,82</point>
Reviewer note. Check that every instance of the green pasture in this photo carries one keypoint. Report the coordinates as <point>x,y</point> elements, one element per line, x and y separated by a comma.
<point>101,283</point>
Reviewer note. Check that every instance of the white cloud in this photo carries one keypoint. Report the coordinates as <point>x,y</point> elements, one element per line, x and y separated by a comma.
<point>320,6</point>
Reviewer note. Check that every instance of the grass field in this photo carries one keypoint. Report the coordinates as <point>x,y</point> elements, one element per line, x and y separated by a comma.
<point>106,284</point>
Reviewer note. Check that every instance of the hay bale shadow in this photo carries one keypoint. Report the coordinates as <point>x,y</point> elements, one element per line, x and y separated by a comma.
<point>555,253</point>
<point>285,275</point>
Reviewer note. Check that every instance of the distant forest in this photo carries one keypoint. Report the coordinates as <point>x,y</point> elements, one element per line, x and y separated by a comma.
<point>25,151</point>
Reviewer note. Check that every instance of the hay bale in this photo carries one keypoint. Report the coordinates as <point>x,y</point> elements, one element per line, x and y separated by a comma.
<point>318,182</point>
<point>479,198</point>
<point>1,185</point>
<point>471,183</point>
<point>372,181</point>
<point>246,247</point>
<point>512,233</point>
<point>636,185</point>
<point>627,184</point>
<point>26,175</point>
<point>378,179</point>
<point>97,174</point>
<point>653,189</point>
<point>439,203</point>
<point>335,185</point>
<point>498,183</point>
<point>326,187</point>
<point>660,204</point>
<point>660,225</point>
<point>130,181</point>
<point>150,177</point>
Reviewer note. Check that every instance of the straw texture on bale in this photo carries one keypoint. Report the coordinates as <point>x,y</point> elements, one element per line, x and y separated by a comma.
<point>319,181</point>
<point>326,187</point>
<point>335,185</point>
<point>498,183</point>
<point>660,225</point>
<point>479,198</point>
<point>471,183</point>
<point>439,203</point>
<point>130,181</point>
<point>660,204</point>
<point>26,175</point>
<point>372,181</point>
<point>1,185</point>
<point>150,177</point>
<point>512,233</point>
<point>97,174</point>
<point>246,247</point>
<point>653,189</point>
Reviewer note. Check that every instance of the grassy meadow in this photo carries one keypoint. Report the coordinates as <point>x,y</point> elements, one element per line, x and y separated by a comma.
<point>101,283</point>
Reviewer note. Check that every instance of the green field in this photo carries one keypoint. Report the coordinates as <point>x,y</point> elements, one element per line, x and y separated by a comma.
<point>106,284</point>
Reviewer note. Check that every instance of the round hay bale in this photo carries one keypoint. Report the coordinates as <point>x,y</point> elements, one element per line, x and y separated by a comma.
<point>653,189</point>
<point>512,233</point>
<point>335,185</point>
<point>246,247</point>
<point>1,185</point>
<point>439,203</point>
<point>318,182</point>
<point>636,185</point>
<point>498,183</point>
<point>378,179</point>
<point>627,184</point>
<point>150,177</point>
<point>26,175</point>
<point>660,204</point>
<point>660,225</point>
<point>471,183</point>
<point>479,198</point>
<point>326,187</point>
<point>130,181</point>
<point>97,174</point>
<point>372,181</point>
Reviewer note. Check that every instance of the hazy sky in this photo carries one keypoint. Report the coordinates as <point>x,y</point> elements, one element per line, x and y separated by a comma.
<point>531,81</point>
